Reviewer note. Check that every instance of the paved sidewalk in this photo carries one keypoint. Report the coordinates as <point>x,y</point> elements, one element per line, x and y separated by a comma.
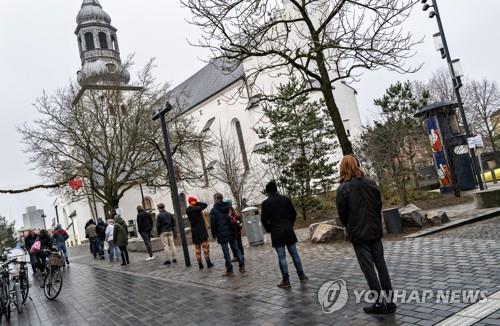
<point>440,262</point>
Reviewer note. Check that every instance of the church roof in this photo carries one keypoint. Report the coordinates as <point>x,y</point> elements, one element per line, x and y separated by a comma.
<point>210,80</point>
<point>92,11</point>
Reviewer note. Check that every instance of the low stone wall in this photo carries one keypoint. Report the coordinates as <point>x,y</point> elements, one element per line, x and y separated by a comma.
<point>137,245</point>
<point>487,198</point>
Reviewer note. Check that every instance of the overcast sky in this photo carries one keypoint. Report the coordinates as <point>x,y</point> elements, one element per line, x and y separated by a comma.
<point>38,51</point>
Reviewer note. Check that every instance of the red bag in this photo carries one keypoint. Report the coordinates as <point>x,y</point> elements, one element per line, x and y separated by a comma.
<point>35,248</point>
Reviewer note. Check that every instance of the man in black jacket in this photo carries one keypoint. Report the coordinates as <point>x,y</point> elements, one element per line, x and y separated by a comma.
<point>359,205</point>
<point>165,226</point>
<point>145,228</point>
<point>278,218</point>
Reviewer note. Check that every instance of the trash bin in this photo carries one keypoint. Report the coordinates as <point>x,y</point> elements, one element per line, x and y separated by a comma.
<point>253,226</point>
<point>392,221</point>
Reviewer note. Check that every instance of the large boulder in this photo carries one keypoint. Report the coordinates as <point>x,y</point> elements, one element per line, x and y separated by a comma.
<point>313,226</point>
<point>437,217</point>
<point>326,233</point>
<point>412,216</point>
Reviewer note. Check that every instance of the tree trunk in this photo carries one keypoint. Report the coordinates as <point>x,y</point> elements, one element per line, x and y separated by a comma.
<point>332,107</point>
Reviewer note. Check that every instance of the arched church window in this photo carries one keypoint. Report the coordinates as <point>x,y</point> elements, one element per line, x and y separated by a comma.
<point>89,41</point>
<point>103,40</point>
<point>148,203</point>
<point>114,43</point>
<point>241,142</point>
<point>182,199</point>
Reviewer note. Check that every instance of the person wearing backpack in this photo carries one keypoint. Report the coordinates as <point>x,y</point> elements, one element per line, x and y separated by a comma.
<point>60,236</point>
<point>224,232</point>
<point>237,226</point>
<point>95,243</point>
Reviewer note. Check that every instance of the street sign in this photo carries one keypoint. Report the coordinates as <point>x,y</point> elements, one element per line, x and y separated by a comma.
<point>475,141</point>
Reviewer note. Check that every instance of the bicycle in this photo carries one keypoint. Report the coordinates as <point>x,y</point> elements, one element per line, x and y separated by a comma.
<point>6,295</point>
<point>19,271</point>
<point>53,281</point>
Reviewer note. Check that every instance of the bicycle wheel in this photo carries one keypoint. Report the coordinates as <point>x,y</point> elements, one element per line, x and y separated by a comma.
<point>53,283</point>
<point>25,286</point>
<point>6,301</point>
<point>18,298</point>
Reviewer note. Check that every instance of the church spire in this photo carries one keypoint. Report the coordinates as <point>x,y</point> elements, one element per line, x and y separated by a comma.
<point>98,45</point>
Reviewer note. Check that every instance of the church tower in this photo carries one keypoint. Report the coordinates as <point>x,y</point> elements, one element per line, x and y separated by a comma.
<point>98,45</point>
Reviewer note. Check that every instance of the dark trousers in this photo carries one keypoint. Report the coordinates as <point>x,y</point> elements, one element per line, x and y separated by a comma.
<point>370,257</point>
<point>124,253</point>
<point>240,246</point>
<point>146,236</point>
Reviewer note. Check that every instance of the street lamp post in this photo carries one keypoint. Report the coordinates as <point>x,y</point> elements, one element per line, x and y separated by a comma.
<point>456,75</point>
<point>43,217</point>
<point>160,114</point>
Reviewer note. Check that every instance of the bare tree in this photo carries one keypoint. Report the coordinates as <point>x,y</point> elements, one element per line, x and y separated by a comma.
<point>319,41</point>
<point>108,139</point>
<point>483,101</point>
<point>230,171</point>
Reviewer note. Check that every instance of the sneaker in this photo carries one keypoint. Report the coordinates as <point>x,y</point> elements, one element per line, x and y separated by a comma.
<point>284,284</point>
<point>124,264</point>
<point>303,277</point>
<point>375,309</point>
<point>391,307</point>
<point>226,274</point>
<point>200,265</point>
<point>242,269</point>
<point>167,262</point>
<point>150,258</point>
<point>209,264</point>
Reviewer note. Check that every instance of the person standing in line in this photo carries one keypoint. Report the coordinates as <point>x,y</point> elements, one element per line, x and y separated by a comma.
<point>101,232</point>
<point>120,238</point>
<point>236,223</point>
<point>145,228</point>
<point>95,243</point>
<point>224,232</point>
<point>278,218</point>
<point>199,231</point>
<point>60,236</point>
<point>165,226</point>
<point>113,250</point>
<point>46,243</point>
<point>28,243</point>
<point>359,206</point>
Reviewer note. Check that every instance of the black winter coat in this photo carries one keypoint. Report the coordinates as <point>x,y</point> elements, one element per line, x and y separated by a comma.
<point>101,230</point>
<point>164,222</point>
<point>29,241</point>
<point>278,217</point>
<point>221,226</point>
<point>144,222</point>
<point>360,209</point>
<point>198,227</point>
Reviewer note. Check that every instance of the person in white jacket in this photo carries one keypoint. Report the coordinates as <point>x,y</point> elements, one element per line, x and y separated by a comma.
<point>113,250</point>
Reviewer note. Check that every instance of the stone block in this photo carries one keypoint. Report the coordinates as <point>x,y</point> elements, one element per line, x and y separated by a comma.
<point>437,217</point>
<point>412,216</point>
<point>326,232</point>
<point>313,226</point>
<point>487,198</point>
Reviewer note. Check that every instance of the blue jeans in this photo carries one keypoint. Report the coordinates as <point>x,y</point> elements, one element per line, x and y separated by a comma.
<point>113,250</point>
<point>61,246</point>
<point>292,250</point>
<point>227,256</point>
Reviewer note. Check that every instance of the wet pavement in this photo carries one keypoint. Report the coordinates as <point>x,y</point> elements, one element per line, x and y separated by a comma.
<point>149,293</point>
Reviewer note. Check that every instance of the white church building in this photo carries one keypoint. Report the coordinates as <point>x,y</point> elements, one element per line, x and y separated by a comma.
<point>212,96</point>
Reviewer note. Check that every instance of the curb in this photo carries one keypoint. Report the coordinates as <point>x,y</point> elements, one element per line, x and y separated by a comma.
<point>464,221</point>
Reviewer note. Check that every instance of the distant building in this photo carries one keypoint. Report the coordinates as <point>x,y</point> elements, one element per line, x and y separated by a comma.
<point>33,218</point>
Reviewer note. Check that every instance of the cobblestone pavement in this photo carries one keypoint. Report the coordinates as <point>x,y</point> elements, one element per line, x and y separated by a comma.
<point>149,293</point>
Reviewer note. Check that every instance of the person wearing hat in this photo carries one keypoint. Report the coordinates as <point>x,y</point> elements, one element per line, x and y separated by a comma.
<point>199,231</point>
<point>278,218</point>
